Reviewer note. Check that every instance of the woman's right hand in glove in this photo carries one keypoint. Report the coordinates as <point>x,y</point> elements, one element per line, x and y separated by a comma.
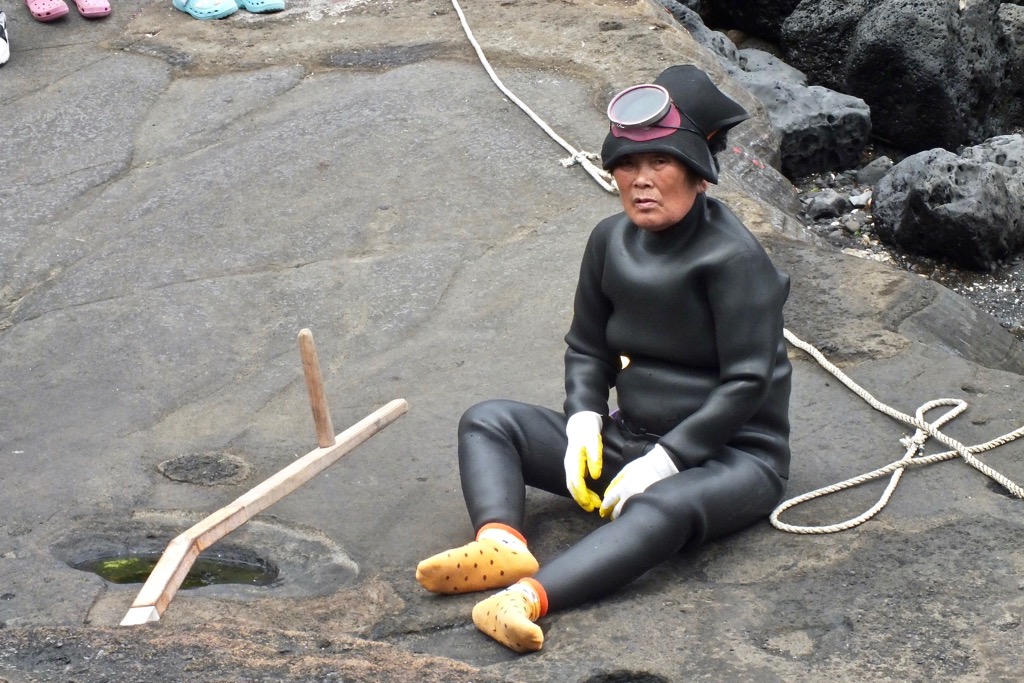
<point>583,456</point>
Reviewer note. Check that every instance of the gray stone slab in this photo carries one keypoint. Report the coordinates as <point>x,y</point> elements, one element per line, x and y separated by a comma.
<point>201,191</point>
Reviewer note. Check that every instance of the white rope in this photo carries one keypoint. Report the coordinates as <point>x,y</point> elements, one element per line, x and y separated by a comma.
<point>584,159</point>
<point>911,458</point>
<point>914,444</point>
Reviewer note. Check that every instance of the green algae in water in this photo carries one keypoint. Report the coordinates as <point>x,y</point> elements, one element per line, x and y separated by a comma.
<point>204,572</point>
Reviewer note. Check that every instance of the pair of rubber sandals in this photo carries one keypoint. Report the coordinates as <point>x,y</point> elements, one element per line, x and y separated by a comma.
<point>49,10</point>
<point>218,9</point>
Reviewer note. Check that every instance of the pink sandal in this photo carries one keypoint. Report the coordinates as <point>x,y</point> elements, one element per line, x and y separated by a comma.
<point>46,10</point>
<point>93,9</point>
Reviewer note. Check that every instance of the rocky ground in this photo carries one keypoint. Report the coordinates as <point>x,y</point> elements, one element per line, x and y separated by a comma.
<point>1000,292</point>
<point>224,653</point>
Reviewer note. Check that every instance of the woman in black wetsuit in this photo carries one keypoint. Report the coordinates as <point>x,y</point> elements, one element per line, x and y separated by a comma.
<point>680,309</point>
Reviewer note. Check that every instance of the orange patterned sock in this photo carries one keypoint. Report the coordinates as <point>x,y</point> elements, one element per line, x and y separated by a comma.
<point>509,616</point>
<point>498,558</point>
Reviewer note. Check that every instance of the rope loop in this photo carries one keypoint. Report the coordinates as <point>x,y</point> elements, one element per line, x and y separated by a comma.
<point>913,456</point>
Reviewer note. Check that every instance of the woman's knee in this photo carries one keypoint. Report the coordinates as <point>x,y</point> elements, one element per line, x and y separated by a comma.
<point>510,420</point>
<point>486,415</point>
<point>661,520</point>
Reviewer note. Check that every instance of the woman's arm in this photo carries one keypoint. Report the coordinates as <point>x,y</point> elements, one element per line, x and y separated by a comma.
<point>590,365</point>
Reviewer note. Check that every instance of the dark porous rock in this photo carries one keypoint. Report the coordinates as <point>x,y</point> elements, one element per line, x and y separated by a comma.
<point>967,209</point>
<point>762,18</point>
<point>873,171</point>
<point>928,70</point>
<point>822,130</point>
<point>1008,103</point>
<point>935,74</point>
<point>816,38</point>
<point>827,204</point>
<point>1004,150</point>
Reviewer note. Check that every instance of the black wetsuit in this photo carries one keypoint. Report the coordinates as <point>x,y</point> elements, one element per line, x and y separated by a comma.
<point>697,310</point>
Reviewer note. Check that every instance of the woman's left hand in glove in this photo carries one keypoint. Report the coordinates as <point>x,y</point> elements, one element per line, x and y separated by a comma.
<point>635,477</point>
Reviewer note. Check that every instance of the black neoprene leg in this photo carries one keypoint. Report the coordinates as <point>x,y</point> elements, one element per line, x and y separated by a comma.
<point>503,447</point>
<point>720,497</point>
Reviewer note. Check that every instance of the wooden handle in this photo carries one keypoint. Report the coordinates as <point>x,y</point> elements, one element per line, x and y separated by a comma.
<point>315,386</point>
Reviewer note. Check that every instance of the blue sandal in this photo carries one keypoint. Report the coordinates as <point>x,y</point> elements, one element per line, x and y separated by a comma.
<point>206,9</point>
<point>262,5</point>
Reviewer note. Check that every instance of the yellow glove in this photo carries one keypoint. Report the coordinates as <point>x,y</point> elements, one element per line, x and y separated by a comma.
<point>635,477</point>
<point>582,456</point>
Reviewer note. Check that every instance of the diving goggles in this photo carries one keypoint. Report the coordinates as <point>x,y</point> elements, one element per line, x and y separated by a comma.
<point>646,106</point>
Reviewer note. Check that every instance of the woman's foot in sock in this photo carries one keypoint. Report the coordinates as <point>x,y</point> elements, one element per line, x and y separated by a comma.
<point>509,616</point>
<point>492,561</point>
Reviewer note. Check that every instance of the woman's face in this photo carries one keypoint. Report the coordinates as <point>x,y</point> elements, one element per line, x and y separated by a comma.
<point>656,189</point>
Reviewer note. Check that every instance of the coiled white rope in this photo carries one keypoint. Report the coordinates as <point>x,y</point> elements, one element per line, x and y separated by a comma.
<point>911,458</point>
<point>584,159</point>
<point>913,444</point>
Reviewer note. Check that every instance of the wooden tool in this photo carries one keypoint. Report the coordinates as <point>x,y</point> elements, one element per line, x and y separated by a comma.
<point>315,385</point>
<point>181,553</point>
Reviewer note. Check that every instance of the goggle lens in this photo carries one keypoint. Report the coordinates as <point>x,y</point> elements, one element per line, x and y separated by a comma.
<point>639,106</point>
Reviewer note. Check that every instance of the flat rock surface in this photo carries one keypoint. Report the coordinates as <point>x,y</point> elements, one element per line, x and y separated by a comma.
<point>181,197</point>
